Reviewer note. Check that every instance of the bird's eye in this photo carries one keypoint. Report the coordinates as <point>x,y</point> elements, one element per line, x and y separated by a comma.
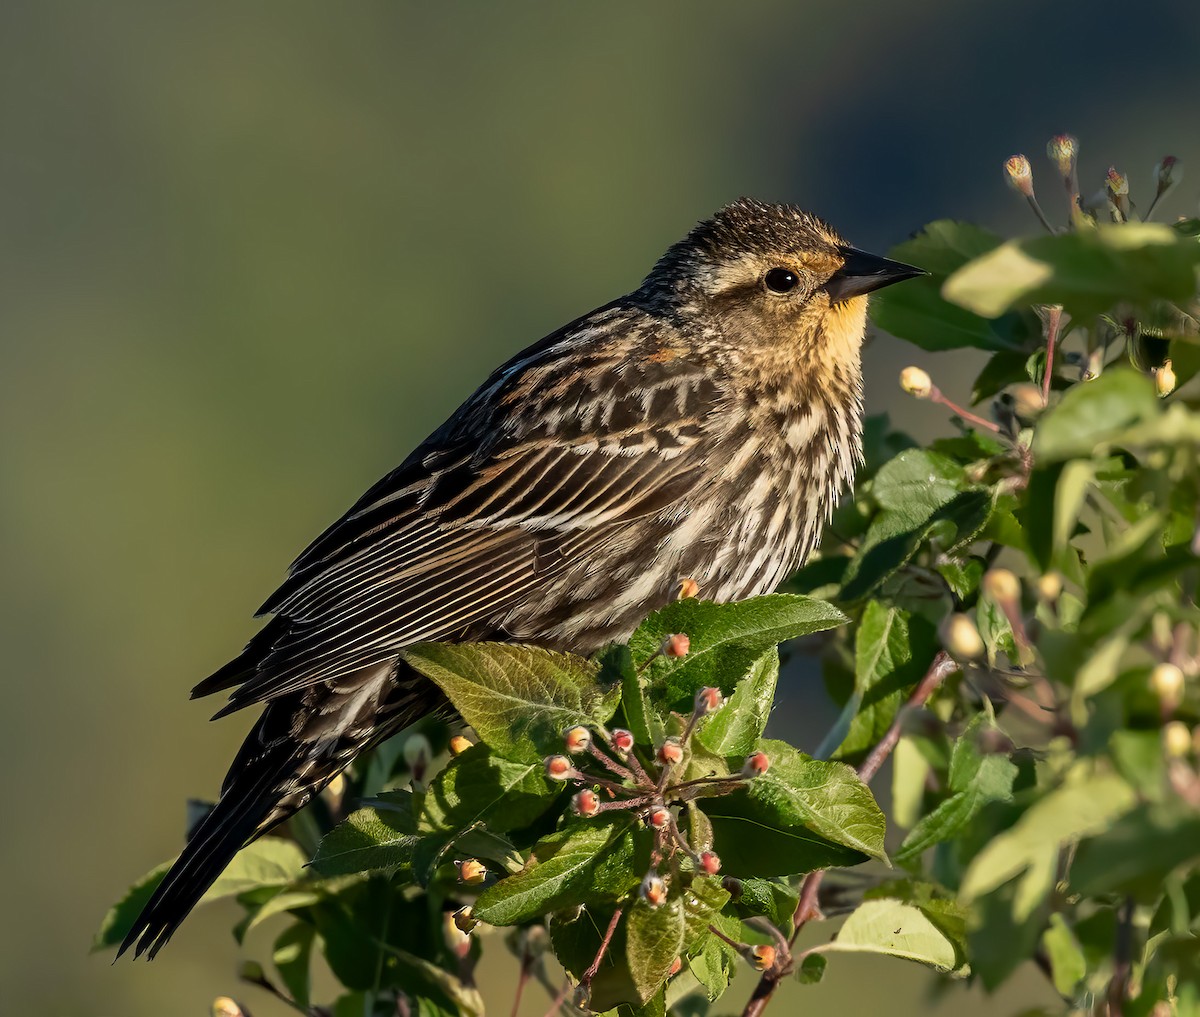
<point>781,280</point>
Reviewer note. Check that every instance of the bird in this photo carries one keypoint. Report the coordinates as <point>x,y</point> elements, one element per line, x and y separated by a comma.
<point>700,428</point>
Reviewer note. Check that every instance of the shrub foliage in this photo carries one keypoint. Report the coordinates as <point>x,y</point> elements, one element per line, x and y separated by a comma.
<point>1009,614</point>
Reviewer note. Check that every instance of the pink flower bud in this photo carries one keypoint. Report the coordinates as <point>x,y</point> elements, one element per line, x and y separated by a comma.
<point>676,645</point>
<point>622,741</point>
<point>586,803</point>
<point>688,588</point>
<point>671,752</point>
<point>459,744</point>
<point>756,764</point>
<point>653,890</point>
<point>559,768</point>
<point>710,863</point>
<point>1063,151</point>
<point>1019,175</point>
<point>658,818</point>
<point>708,699</point>
<point>762,956</point>
<point>578,739</point>
<point>1167,174</point>
<point>471,871</point>
<point>676,965</point>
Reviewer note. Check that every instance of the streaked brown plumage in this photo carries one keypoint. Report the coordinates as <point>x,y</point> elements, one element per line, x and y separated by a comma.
<point>701,427</point>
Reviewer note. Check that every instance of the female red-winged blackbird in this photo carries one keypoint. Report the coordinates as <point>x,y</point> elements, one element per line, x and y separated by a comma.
<point>701,427</point>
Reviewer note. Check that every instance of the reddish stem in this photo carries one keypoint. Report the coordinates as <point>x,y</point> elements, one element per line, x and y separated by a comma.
<point>1053,321</point>
<point>807,908</point>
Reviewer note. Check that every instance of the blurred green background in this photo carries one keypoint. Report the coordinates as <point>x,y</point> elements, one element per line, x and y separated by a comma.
<point>250,255</point>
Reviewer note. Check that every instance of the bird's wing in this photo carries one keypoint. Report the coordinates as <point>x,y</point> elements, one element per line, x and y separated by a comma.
<point>559,445</point>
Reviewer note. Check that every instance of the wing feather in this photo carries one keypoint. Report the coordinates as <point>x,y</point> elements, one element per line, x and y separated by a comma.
<point>501,501</point>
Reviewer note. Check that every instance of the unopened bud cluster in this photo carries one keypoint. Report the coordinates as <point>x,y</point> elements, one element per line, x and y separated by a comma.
<point>611,773</point>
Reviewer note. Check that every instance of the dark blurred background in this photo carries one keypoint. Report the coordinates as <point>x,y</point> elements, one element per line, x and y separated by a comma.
<point>249,256</point>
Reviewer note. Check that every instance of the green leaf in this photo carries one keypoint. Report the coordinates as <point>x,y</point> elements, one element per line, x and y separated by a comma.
<point>701,903</point>
<point>478,788</point>
<point>1094,412</point>
<point>268,861</point>
<point>1087,271</point>
<point>377,837</point>
<point>975,780</point>
<point>811,969</point>
<point>653,940</point>
<point>772,899</point>
<point>733,729</point>
<point>892,652</point>
<point>519,699</point>
<point>1067,963</point>
<point>616,662</point>
<point>291,956</point>
<point>726,640</point>
<point>714,966</point>
<point>576,941</point>
<point>1137,852</point>
<point>918,491</point>
<point>896,929</point>
<point>581,864</point>
<point>1079,808</point>
<point>801,815</point>
<point>918,482</point>
<point>917,310</point>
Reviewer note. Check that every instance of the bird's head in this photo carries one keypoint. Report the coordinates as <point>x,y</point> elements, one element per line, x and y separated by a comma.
<point>775,277</point>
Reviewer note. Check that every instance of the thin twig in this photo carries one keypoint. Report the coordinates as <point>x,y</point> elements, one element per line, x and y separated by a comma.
<point>1118,986</point>
<point>556,1005</point>
<point>807,908</point>
<point>1053,321</point>
<point>522,978</point>
<point>594,967</point>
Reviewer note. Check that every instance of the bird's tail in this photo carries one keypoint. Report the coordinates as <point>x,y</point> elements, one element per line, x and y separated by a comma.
<point>300,743</point>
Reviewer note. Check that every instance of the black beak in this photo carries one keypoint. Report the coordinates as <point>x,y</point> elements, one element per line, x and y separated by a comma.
<point>864,273</point>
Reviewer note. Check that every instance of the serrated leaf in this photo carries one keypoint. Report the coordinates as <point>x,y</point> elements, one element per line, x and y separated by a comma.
<point>478,788</point>
<point>726,640</point>
<point>1093,413</point>
<point>376,837</point>
<point>896,535</point>
<point>519,699</point>
<point>892,652</point>
<point>801,815</point>
<point>653,940</point>
<point>1077,809</point>
<point>701,902</point>
<point>733,729</point>
<point>1087,271</point>
<point>896,929</point>
<point>580,864</point>
<point>616,662</point>
<point>772,899</point>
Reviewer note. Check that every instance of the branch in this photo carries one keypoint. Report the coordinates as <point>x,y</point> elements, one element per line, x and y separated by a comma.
<point>807,909</point>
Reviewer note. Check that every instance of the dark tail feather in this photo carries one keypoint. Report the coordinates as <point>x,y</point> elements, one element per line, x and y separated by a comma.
<point>254,798</point>
<point>300,743</point>
<point>244,665</point>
